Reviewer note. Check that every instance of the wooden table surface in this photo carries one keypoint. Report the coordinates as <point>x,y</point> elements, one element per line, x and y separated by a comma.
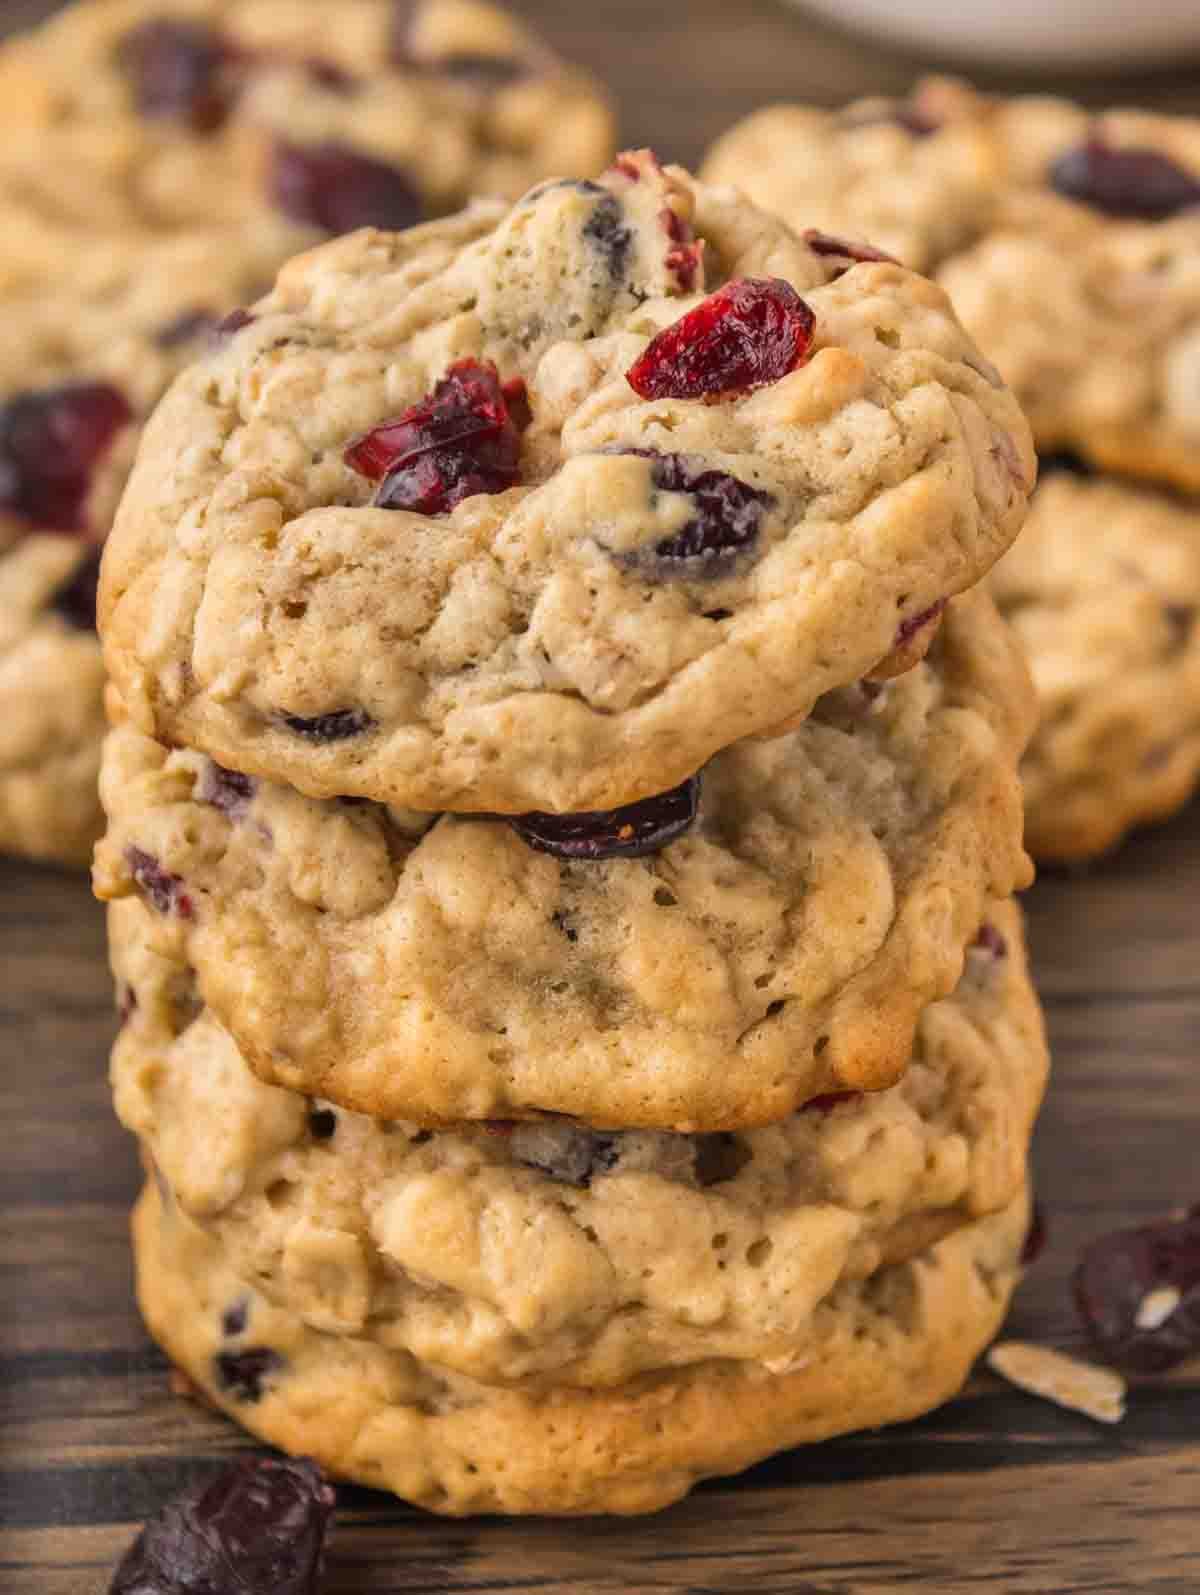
<point>997,1492</point>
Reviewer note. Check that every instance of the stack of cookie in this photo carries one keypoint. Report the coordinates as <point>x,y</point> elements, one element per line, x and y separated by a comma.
<point>160,160</point>
<point>1068,242</point>
<point>562,820</point>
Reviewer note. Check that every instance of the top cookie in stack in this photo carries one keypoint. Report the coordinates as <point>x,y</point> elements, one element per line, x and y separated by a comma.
<point>1072,258</point>
<point>535,512</point>
<point>160,160</point>
<point>540,508</point>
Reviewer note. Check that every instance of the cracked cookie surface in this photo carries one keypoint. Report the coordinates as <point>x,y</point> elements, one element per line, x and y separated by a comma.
<point>527,1253</point>
<point>781,946</point>
<point>436,530</point>
<point>1103,590</point>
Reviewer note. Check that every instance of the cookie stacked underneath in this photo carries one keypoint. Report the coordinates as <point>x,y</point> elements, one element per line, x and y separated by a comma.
<point>1068,241</point>
<point>563,817</point>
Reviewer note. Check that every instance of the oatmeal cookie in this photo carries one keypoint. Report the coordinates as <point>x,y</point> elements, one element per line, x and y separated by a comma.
<point>1087,292</point>
<point>918,178</point>
<point>877,1351</point>
<point>553,1253</point>
<point>1103,589</point>
<point>774,937</point>
<point>507,513</point>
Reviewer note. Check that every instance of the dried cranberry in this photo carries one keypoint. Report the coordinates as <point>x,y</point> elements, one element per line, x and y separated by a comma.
<point>234,1319</point>
<point>75,600</point>
<point>826,244</point>
<point>322,1123</point>
<point>1138,1293</point>
<point>828,1100</point>
<point>463,438</point>
<point>164,889</point>
<point>728,514</point>
<point>258,1526</point>
<point>608,233</point>
<point>176,69</point>
<point>244,1374</point>
<point>227,790</point>
<point>337,188</point>
<point>233,322</point>
<point>51,439</point>
<point>909,628</point>
<point>990,940</point>
<point>749,333</point>
<point>1138,183</point>
<point>482,71</point>
<point>628,832</point>
<point>336,726</point>
<point>685,253</point>
<point>1181,621</point>
<point>719,1156</point>
<point>569,1153</point>
<point>189,324</point>
<point>1035,1236</point>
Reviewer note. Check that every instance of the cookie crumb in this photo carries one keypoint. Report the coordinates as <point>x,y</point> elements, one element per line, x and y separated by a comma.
<point>1081,1386</point>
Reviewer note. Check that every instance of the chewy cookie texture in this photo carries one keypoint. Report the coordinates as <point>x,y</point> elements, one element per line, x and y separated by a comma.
<point>549,1252</point>
<point>160,162</point>
<point>880,1350</point>
<point>563,815</point>
<point>781,945</point>
<point>473,517</point>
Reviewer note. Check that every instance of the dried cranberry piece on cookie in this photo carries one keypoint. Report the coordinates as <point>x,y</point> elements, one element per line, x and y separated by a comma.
<point>1137,183</point>
<point>751,332</point>
<point>727,515</point>
<point>51,440</point>
<point>176,69</point>
<point>628,832</point>
<point>338,189</point>
<point>463,438</point>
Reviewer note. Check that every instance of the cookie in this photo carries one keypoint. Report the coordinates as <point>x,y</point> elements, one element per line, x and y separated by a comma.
<point>1087,294</point>
<point>523,1253</point>
<point>918,177</point>
<point>475,517</point>
<point>79,370</point>
<point>778,943</point>
<point>878,1351</point>
<point>173,113</point>
<point>1103,589</point>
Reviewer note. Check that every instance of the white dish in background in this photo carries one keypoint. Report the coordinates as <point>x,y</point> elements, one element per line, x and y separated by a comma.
<point>1028,33</point>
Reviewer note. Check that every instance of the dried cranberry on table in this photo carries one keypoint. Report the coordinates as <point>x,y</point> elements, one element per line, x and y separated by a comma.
<point>628,832</point>
<point>257,1528</point>
<point>1138,1294</point>
<point>461,439</point>
<point>751,332</point>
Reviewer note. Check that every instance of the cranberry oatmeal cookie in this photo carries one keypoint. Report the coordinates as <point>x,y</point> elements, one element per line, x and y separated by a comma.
<point>551,1252</point>
<point>475,516</point>
<point>1087,294</point>
<point>76,381</point>
<point>770,934</point>
<point>918,177</point>
<point>877,1351</point>
<point>1103,589</point>
<point>326,116</point>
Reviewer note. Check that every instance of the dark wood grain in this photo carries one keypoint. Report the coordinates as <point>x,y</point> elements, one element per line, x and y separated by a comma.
<point>996,1492</point>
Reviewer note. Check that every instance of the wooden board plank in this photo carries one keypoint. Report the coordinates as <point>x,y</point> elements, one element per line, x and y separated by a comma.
<point>998,1491</point>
